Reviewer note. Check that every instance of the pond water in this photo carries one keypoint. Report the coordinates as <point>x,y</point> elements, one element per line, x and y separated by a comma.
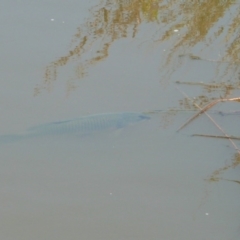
<point>144,180</point>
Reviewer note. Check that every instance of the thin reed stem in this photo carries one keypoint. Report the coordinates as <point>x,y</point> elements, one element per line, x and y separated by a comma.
<point>203,110</point>
<point>208,106</point>
<point>216,136</point>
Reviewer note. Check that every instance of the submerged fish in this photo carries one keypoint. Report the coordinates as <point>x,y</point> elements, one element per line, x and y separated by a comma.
<point>79,126</point>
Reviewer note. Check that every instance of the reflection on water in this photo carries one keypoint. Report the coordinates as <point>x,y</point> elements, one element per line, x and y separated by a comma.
<point>217,175</point>
<point>189,25</point>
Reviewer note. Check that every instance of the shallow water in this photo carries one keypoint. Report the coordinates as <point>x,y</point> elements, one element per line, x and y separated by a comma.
<point>142,181</point>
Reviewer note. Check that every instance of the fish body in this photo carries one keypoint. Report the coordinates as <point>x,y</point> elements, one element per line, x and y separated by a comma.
<point>79,126</point>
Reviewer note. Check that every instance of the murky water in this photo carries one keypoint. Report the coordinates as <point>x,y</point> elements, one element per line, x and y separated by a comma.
<point>144,180</point>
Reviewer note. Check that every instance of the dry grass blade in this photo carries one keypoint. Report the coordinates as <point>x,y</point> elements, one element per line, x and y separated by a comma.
<point>199,113</point>
<point>208,106</point>
<point>204,111</point>
<point>216,136</point>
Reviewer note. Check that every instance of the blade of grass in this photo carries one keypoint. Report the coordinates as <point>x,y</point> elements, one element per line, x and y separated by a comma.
<point>208,106</point>
<point>203,110</point>
<point>215,136</point>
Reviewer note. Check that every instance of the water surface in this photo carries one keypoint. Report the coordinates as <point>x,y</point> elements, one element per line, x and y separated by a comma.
<point>141,181</point>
